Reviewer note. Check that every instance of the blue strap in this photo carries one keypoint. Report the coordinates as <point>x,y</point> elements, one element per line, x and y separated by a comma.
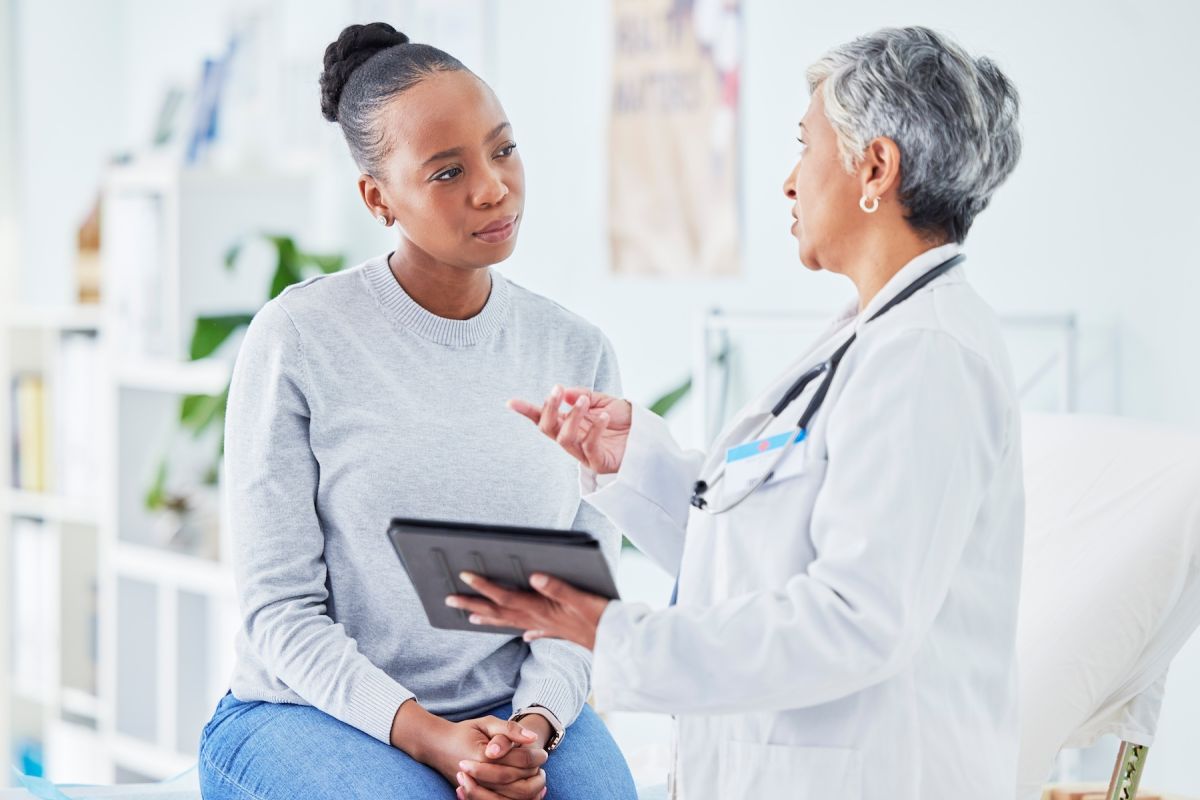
<point>39,787</point>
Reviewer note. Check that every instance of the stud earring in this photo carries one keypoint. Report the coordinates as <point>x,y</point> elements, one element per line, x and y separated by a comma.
<point>382,220</point>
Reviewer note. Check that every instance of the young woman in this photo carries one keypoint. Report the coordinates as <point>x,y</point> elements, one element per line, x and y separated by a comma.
<point>378,392</point>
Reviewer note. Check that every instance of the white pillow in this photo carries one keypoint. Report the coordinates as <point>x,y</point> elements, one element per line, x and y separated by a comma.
<point>1110,589</point>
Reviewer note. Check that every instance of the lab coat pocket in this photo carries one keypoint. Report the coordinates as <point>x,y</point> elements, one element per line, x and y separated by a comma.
<point>773,770</point>
<point>767,536</point>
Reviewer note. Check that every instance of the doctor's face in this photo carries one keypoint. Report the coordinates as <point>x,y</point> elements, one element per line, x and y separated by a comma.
<point>824,196</point>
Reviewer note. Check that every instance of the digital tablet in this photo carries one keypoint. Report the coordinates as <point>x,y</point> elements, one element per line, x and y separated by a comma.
<point>434,553</point>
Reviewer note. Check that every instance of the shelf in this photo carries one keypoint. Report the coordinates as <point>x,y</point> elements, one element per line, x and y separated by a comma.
<point>47,506</point>
<point>148,758</point>
<point>79,703</point>
<point>178,570</point>
<point>62,318</point>
<point>32,698</point>
<point>207,376</point>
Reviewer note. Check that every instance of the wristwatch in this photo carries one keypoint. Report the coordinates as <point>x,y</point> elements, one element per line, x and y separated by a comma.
<point>557,730</point>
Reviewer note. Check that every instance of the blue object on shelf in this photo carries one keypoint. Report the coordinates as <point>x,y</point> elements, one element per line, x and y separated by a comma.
<point>31,760</point>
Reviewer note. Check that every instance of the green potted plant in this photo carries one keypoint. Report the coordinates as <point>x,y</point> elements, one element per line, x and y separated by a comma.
<point>201,413</point>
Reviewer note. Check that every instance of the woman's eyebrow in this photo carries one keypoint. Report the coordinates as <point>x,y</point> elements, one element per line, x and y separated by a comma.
<point>456,151</point>
<point>496,131</point>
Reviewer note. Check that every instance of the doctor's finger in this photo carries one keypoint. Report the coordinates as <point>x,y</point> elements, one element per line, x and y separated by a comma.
<point>498,621</point>
<point>472,605</point>
<point>572,428</point>
<point>562,592</point>
<point>505,598</point>
<point>591,446</point>
<point>530,411</point>
<point>551,413</point>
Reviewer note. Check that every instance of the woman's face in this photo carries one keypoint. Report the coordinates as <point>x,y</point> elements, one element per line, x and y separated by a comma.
<point>824,196</point>
<point>453,179</point>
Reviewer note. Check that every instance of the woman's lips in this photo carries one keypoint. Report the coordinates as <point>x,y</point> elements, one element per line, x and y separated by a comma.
<point>499,231</point>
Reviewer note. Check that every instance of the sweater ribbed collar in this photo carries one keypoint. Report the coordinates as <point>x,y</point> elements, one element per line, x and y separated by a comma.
<point>407,313</point>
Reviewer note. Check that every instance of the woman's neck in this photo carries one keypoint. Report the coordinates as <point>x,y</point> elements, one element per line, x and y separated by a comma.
<point>446,291</point>
<point>879,261</point>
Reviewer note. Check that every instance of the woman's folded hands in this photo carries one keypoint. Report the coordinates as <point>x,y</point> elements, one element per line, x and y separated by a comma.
<point>486,758</point>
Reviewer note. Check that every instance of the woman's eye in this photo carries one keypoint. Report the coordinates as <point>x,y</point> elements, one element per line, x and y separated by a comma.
<point>506,151</point>
<point>448,174</point>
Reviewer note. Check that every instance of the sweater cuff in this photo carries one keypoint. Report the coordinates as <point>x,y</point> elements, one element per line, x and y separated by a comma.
<point>374,700</point>
<point>558,696</point>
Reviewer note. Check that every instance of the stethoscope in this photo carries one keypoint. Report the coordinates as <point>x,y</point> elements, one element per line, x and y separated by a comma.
<point>828,368</point>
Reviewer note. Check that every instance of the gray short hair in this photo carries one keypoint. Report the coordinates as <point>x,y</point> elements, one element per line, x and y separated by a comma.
<point>953,117</point>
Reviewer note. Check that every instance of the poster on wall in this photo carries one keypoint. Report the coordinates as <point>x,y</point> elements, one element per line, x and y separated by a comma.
<point>673,150</point>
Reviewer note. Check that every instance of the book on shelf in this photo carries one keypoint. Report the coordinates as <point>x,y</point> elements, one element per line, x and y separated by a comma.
<point>29,432</point>
<point>135,255</point>
<point>76,416</point>
<point>34,584</point>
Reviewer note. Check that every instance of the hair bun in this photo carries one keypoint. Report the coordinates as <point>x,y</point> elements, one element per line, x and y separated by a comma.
<point>353,47</point>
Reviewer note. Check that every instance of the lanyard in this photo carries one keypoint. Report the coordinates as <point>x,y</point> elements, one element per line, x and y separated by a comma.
<point>827,368</point>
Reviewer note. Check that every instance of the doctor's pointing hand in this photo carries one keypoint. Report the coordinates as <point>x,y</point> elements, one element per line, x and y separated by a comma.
<point>848,551</point>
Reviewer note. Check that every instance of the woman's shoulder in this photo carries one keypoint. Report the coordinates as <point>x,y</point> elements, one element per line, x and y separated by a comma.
<point>310,301</point>
<point>537,310</point>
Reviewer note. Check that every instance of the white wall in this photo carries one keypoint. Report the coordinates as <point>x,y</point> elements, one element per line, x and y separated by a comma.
<point>1098,218</point>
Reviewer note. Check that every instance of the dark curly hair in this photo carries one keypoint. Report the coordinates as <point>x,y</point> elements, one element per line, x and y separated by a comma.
<point>366,67</point>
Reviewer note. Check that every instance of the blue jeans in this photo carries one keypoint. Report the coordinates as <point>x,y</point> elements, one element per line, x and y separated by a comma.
<point>276,751</point>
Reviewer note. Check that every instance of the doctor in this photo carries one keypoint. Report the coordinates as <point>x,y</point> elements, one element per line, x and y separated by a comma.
<point>848,552</point>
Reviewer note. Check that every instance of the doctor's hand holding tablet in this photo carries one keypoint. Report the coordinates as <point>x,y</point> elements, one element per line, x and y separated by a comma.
<point>848,551</point>
<point>593,427</point>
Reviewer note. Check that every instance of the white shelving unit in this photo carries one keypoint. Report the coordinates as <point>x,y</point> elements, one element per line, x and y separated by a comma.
<point>63,705</point>
<point>141,641</point>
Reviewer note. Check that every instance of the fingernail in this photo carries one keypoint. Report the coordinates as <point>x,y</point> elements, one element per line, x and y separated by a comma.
<point>464,765</point>
<point>603,415</point>
<point>493,750</point>
<point>452,602</point>
<point>461,778</point>
<point>557,390</point>
<point>475,619</point>
<point>538,581</point>
<point>581,401</point>
<point>466,577</point>
<point>528,734</point>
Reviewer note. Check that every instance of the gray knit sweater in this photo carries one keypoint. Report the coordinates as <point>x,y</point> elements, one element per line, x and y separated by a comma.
<point>351,404</point>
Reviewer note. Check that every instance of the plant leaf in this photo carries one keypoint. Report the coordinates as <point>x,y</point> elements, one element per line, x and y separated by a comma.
<point>287,270</point>
<point>211,333</point>
<point>663,405</point>
<point>156,495</point>
<point>327,263</point>
<point>231,255</point>
<point>199,411</point>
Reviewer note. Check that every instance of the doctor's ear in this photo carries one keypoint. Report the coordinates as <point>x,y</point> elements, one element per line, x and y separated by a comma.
<point>878,170</point>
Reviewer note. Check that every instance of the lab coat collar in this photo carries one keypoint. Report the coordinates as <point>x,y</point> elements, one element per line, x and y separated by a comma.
<point>910,272</point>
<point>756,411</point>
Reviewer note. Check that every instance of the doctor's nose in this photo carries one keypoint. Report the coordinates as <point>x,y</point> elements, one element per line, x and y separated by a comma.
<point>789,184</point>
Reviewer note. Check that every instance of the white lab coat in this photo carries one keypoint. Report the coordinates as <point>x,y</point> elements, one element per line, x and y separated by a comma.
<point>846,632</point>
